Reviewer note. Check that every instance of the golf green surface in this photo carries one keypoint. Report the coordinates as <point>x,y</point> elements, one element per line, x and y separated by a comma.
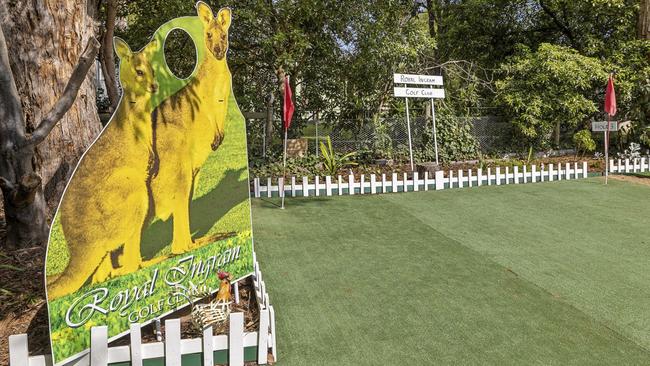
<point>551,273</point>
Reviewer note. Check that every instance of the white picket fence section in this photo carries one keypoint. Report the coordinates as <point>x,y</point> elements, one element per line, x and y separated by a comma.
<point>173,346</point>
<point>639,165</point>
<point>396,183</point>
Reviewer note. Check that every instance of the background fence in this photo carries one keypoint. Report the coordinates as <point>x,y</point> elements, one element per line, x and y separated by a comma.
<point>233,349</point>
<point>490,133</point>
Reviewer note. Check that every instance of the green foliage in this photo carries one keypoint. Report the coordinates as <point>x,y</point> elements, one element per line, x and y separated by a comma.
<point>633,91</point>
<point>272,166</point>
<point>332,161</point>
<point>553,85</point>
<point>455,139</point>
<point>536,63</point>
<point>584,142</point>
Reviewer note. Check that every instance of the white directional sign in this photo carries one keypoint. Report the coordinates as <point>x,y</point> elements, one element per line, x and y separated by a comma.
<point>419,93</point>
<point>417,79</point>
<point>428,93</point>
<point>602,126</point>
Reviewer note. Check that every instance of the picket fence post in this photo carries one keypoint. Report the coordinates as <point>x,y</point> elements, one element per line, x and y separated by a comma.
<point>18,350</point>
<point>440,180</point>
<point>274,345</point>
<point>99,346</point>
<point>256,187</point>
<point>262,338</point>
<point>173,342</point>
<point>208,346</point>
<point>136,344</point>
<point>328,186</point>
<point>235,340</point>
<point>280,187</point>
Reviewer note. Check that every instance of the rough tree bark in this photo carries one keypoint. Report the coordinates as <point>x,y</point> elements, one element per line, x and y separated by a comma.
<point>40,45</point>
<point>107,57</point>
<point>643,26</point>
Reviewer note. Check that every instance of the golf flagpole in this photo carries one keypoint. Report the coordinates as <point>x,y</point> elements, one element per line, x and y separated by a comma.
<point>610,109</point>
<point>288,115</point>
<point>609,118</point>
<point>284,168</point>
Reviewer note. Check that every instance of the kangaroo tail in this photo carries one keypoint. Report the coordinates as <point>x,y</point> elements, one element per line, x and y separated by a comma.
<point>81,267</point>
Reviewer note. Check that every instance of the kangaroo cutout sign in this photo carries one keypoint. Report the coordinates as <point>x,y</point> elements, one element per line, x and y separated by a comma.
<point>160,202</point>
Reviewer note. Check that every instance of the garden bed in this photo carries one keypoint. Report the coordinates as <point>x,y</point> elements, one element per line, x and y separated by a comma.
<point>247,304</point>
<point>309,168</point>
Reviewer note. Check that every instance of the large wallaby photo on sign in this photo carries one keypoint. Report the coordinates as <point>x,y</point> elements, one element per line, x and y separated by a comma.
<point>160,201</point>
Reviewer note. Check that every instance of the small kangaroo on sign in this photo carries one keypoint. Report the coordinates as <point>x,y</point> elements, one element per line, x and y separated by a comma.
<point>106,201</point>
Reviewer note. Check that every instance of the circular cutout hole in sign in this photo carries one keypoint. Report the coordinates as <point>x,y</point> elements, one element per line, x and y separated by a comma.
<point>180,53</point>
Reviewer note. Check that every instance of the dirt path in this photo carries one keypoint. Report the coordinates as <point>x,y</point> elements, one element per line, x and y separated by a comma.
<point>631,179</point>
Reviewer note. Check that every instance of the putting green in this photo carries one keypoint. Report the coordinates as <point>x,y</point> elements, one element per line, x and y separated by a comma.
<point>552,274</point>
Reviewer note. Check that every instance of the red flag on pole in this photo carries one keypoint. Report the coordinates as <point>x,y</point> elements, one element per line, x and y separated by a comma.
<point>610,109</point>
<point>610,97</point>
<point>288,104</point>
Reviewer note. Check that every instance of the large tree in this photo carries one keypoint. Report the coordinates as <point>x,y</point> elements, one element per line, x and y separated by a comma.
<point>550,87</point>
<point>48,115</point>
<point>643,24</point>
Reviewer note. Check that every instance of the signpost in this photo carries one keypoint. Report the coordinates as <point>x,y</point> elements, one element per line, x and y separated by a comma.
<point>430,93</point>
<point>602,126</point>
<point>605,127</point>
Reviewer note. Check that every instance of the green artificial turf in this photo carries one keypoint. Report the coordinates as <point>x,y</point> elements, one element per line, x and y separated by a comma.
<point>540,274</point>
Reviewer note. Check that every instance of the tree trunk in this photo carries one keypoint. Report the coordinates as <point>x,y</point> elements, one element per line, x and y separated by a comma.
<point>269,124</point>
<point>107,56</point>
<point>44,41</point>
<point>643,26</point>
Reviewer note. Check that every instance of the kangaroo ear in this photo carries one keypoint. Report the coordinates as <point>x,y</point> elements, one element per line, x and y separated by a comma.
<point>224,18</point>
<point>151,46</point>
<point>121,48</point>
<point>204,12</point>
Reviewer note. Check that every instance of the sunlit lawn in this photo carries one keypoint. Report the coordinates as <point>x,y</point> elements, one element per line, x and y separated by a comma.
<point>551,274</point>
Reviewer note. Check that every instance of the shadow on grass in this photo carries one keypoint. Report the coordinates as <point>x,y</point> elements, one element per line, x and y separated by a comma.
<point>205,211</point>
<point>289,202</point>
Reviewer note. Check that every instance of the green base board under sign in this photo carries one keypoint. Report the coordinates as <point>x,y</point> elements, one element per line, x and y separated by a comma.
<point>196,359</point>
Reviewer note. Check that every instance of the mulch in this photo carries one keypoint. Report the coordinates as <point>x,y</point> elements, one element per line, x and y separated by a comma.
<point>632,179</point>
<point>22,297</point>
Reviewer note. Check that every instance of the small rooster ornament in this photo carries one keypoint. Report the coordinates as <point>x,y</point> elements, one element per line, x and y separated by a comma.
<point>224,294</point>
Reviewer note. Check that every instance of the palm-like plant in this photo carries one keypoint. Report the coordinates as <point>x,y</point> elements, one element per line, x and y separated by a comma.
<point>333,162</point>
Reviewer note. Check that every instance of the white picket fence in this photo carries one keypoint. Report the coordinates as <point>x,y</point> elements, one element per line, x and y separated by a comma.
<point>396,183</point>
<point>639,165</point>
<point>173,347</point>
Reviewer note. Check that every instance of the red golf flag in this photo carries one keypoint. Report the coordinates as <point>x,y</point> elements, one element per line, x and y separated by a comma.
<point>610,97</point>
<point>288,104</point>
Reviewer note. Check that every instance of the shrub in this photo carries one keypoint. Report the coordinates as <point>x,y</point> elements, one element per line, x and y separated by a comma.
<point>583,142</point>
<point>333,162</point>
